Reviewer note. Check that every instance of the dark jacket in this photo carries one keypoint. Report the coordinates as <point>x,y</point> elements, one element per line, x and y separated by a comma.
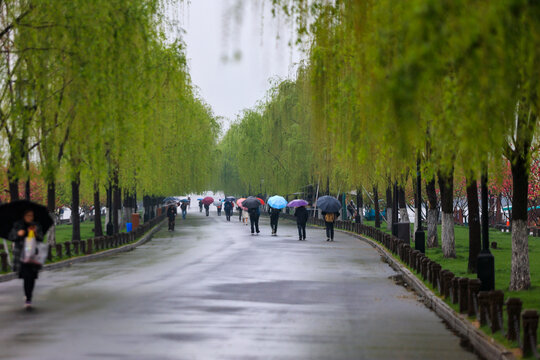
<point>254,211</point>
<point>301,214</point>
<point>228,206</point>
<point>274,212</point>
<point>171,212</point>
<point>184,206</point>
<point>18,241</point>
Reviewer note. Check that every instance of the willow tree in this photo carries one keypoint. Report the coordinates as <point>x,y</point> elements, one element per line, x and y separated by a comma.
<point>497,83</point>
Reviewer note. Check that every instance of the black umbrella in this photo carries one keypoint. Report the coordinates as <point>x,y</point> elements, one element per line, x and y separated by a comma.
<point>230,198</point>
<point>328,204</point>
<point>14,211</point>
<point>251,202</point>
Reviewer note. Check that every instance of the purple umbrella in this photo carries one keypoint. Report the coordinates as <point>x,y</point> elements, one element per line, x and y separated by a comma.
<point>297,203</point>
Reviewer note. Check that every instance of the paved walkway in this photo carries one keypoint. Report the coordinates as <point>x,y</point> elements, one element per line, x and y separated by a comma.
<point>210,290</point>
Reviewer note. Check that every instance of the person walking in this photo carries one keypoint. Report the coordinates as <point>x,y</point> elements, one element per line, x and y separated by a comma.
<point>301,215</point>
<point>219,209</point>
<point>351,208</point>
<point>274,217</point>
<point>254,214</point>
<point>28,271</point>
<point>245,216</point>
<point>329,219</point>
<point>171,214</point>
<point>184,207</point>
<point>228,209</point>
<point>239,213</point>
<point>207,209</point>
<point>200,205</point>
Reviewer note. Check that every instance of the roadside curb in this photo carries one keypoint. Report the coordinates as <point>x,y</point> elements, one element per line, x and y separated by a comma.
<point>68,262</point>
<point>484,346</point>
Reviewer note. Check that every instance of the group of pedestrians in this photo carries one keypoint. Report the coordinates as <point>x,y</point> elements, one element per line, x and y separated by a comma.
<point>301,214</point>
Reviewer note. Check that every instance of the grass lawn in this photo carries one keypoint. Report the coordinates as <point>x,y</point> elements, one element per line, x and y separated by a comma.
<point>503,257</point>
<point>63,232</point>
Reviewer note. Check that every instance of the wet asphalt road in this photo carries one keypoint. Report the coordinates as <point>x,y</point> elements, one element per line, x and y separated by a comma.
<point>210,290</point>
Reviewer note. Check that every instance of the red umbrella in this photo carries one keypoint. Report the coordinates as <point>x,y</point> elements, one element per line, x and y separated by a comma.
<point>261,200</point>
<point>208,200</point>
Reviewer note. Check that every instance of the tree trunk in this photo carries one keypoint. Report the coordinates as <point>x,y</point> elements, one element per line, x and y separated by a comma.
<point>446,186</point>
<point>403,205</point>
<point>475,239</point>
<point>359,206</point>
<point>128,208</point>
<point>498,215</point>
<point>520,277</point>
<point>416,206</point>
<point>14,188</point>
<point>75,218</point>
<point>51,196</point>
<point>27,182</point>
<point>27,189</point>
<point>51,207</point>
<point>98,229</point>
<point>432,215</point>
<point>376,200</point>
<point>388,208</point>
<point>116,206</point>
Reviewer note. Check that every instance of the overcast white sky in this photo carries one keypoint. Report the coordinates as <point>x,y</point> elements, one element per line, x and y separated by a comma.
<point>233,53</point>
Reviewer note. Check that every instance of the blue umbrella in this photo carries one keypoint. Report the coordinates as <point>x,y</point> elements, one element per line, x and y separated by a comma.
<point>230,198</point>
<point>184,200</point>
<point>277,202</point>
<point>329,204</point>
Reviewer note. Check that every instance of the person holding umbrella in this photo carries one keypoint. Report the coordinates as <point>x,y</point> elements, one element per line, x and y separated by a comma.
<point>301,215</point>
<point>184,207</point>
<point>239,213</point>
<point>219,205</point>
<point>23,223</point>
<point>171,214</point>
<point>330,207</point>
<point>254,215</point>
<point>228,208</point>
<point>253,205</point>
<point>200,205</point>
<point>329,220</point>
<point>275,203</point>
<point>274,218</point>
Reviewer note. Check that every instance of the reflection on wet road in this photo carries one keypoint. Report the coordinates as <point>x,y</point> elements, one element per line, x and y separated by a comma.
<point>210,290</point>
